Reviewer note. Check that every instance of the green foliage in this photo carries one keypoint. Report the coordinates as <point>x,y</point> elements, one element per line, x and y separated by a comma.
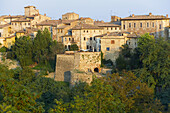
<point>3,49</point>
<point>74,47</point>
<point>22,51</point>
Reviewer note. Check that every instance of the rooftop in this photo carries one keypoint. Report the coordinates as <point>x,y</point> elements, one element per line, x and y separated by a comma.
<point>145,17</point>
<point>5,25</point>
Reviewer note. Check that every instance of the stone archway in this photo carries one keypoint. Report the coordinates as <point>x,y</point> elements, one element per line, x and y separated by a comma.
<point>96,69</point>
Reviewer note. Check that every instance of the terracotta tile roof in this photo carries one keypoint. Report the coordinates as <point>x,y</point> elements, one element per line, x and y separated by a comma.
<point>31,29</point>
<point>67,21</point>
<point>84,18</point>
<point>85,26</point>
<point>20,31</point>
<point>50,23</point>
<point>129,35</point>
<point>5,25</point>
<point>10,36</point>
<point>62,27</point>
<point>21,20</point>
<point>29,6</point>
<point>145,17</point>
<point>69,13</point>
<point>17,16</point>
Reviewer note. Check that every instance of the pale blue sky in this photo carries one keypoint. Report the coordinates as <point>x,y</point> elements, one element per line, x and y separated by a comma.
<point>96,9</point>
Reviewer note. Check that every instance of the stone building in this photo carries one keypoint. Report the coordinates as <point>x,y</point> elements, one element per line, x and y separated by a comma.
<point>141,24</point>
<point>31,11</point>
<point>109,27</point>
<point>112,42</point>
<point>167,33</point>
<point>70,16</point>
<point>81,62</point>
<point>82,35</point>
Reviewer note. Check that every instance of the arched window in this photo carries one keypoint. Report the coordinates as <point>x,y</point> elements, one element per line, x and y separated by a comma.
<point>0,34</point>
<point>96,70</point>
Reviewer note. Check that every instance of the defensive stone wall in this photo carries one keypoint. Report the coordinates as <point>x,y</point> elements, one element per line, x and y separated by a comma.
<point>64,64</point>
<point>87,62</point>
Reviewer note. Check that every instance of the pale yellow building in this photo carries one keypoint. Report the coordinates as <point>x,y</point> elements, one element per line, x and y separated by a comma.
<point>82,35</point>
<point>141,24</point>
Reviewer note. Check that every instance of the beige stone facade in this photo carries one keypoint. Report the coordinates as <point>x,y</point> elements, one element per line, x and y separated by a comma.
<point>81,62</point>
<point>141,24</point>
<point>70,16</point>
<point>112,42</point>
<point>31,11</point>
<point>83,35</point>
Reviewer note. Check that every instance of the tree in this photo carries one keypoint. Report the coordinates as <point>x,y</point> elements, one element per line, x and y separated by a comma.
<point>74,47</point>
<point>22,50</point>
<point>135,95</point>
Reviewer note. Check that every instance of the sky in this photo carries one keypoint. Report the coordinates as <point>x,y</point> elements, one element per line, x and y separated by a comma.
<point>96,9</point>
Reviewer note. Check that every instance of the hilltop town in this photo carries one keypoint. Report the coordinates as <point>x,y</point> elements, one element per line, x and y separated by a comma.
<point>76,49</point>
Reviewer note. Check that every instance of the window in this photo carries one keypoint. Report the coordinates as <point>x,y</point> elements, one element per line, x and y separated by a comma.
<point>129,25</point>
<point>111,28</point>
<point>87,47</point>
<point>160,27</point>
<point>28,23</point>
<point>15,23</point>
<point>65,39</point>
<point>108,49</point>
<point>69,39</point>
<point>65,46</point>
<point>124,26</point>
<point>20,23</point>
<point>153,24</point>
<point>94,30</point>
<point>0,34</point>
<point>100,41</point>
<point>107,28</point>
<point>90,38</point>
<point>94,38</point>
<point>84,38</point>
<point>84,31</point>
<point>140,24</point>
<point>115,28</point>
<point>147,24</point>
<point>129,43</point>
<point>112,42</point>
<point>25,23</point>
<point>87,31</point>
<point>12,23</point>
<point>61,31</point>
<point>73,39</point>
<point>134,25</point>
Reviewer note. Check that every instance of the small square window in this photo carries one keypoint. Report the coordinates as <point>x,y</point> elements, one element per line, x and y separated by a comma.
<point>108,48</point>
<point>112,42</point>
<point>94,38</point>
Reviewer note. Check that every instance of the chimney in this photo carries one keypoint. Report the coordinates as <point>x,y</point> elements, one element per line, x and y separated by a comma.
<point>150,14</point>
<point>133,15</point>
<point>166,15</point>
<point>44,14</point>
